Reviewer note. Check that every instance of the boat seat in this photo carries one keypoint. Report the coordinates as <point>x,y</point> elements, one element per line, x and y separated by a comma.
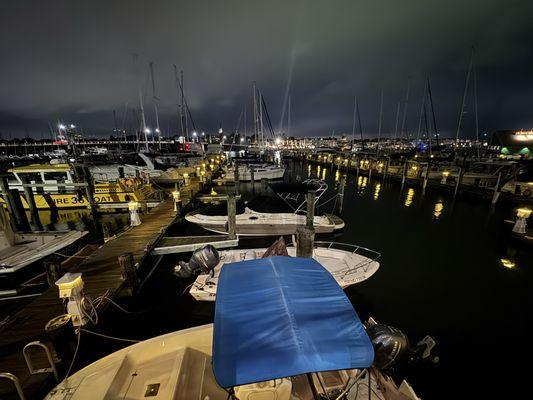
<point>278,389</point>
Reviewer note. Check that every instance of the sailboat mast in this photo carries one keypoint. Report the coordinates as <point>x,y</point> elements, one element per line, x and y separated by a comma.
<point>380,119</point>
<point>422,111</point>
<point>155,99</point>
<point>143,119</point>
<point>397,121</point>
<point>475,109</point>
<point>289,118</point>
<point>406,104</point>
<point>463,102</point>
<point>186,133</point>
<point>433,112</point>
<point>261,118</point>
<point>179,103</point>
<point>353,120</point>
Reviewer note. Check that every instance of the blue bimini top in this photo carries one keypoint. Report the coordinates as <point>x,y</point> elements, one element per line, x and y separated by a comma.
<point>283,316</point>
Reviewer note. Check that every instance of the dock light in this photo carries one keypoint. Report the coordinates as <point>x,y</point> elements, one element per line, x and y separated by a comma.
<point>186,178</point>
<point>212,167</point>
<point>445,175</point>
<point>414,167</point>
<point>176,197</point>
<point>278,141</point>
<point>157,130</point>
<point>522,214</point>
<point>242,140</point>
<point>507,263</point>
<point>133,207</point>
<point>71,287</point>
<point>203,165</point>
<point>72,126</point>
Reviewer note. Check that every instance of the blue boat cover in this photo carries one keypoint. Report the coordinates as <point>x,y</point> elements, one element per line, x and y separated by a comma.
<point>283,316</point>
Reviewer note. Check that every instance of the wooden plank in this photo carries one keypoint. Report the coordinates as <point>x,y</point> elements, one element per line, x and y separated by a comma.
<point>184,244</point>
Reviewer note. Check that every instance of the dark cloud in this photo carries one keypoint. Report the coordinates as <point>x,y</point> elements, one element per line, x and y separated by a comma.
<point>78,61</point>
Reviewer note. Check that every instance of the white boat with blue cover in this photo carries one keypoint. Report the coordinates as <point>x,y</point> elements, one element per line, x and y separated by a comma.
<point>349,264</point>
<point>291,335</point>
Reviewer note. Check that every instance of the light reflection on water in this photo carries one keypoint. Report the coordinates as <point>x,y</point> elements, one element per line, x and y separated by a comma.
<point>437,210</point>
<point>409,197</point>
<point>377,189</point>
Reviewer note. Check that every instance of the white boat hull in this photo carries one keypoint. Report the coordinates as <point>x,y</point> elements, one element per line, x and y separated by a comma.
<point>252,223</point>
<point>348,268</point>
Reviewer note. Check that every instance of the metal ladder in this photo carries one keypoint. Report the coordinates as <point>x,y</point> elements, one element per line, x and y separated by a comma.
<point>52,365</point>
<point>16,383</point>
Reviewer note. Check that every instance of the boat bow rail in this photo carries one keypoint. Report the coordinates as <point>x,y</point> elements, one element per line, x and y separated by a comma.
<point>369,255</point>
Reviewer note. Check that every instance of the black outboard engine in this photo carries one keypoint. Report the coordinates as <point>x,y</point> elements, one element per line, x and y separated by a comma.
<point>202,261</point>
<point>393,350</point>
<point>390,345</point>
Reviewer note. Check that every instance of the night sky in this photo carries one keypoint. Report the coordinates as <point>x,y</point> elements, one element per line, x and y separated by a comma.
<point>77,61</point>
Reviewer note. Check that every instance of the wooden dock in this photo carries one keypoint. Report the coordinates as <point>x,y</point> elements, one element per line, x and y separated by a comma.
<point>101,274</point>
<point>184,244</point>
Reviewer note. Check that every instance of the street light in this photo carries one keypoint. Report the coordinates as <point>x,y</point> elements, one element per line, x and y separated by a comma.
<point>62,127</point>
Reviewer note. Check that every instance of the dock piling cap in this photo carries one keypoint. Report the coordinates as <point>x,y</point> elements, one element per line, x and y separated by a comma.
<point>70,283</point>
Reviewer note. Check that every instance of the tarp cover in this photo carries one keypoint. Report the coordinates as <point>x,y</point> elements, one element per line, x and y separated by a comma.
<point>283,316</point>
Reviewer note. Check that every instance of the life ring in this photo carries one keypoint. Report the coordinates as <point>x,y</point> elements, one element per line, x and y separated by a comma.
<point>526,193</point>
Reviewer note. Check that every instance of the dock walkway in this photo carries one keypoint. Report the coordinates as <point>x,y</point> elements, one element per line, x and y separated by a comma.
<point>101,274</point>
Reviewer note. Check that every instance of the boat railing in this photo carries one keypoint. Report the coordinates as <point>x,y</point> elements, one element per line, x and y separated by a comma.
<point>369,256</point>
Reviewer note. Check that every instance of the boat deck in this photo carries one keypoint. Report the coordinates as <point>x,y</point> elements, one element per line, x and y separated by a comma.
<point>183,244</point>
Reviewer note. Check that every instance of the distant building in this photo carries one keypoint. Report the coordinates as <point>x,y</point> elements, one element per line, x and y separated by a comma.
<point>512,143</point>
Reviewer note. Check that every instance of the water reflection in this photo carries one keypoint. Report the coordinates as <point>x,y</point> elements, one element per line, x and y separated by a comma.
<point>409,197</point>
<point>437,210</point>
<point>377,189</point>
<point>337,176</point>
<point>361,182</point>
<point>324,170</point>
<point>318,169</point>
<point>507,263</point>
<point>309,170</point>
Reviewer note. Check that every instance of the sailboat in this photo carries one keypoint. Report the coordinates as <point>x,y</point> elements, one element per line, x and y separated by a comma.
<point>291,335</point>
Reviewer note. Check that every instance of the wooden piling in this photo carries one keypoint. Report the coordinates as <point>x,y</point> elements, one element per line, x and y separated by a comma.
<point>496,194</point>
<point>252,175</point>
<point>129,271</point>
<point>264,185</point>
<point>232,219</point>
<point>342,184</point>
<point>14,206</point>
<point>30,199</point>
<point>305,238</point>
<point>236,177</point>
<point>458,181</point>
<point>53,271</point>
<point>92,203</point>
<point>310,215</point>
<point>426,176</point>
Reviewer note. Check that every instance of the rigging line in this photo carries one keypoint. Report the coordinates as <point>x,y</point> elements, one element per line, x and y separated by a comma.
<point>359,121</point>
<point>269,122</point>
<point>109,337</point>
<point>178,104</point>
<point>380,119</point>
<point>353,119</point>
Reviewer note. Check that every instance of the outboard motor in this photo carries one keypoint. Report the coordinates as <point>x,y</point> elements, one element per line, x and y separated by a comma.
<point>202,261</point>
<point>393,350</point>
<point>390,345</point>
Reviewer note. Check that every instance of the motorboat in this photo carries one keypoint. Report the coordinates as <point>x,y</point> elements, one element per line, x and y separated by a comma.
<point>260,171</point>
<point>270,216</point>
<point>20,252</point>
<point>349,264</point>
<point>291,335</point>
<point>55,186</point>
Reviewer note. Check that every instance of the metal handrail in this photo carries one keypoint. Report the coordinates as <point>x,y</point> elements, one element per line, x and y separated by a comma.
<point>52,368</point>
<point>16,382</point>
<point>371,255</point>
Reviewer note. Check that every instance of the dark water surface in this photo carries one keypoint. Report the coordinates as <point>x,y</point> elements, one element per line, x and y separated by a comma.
<point>441,274</point>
